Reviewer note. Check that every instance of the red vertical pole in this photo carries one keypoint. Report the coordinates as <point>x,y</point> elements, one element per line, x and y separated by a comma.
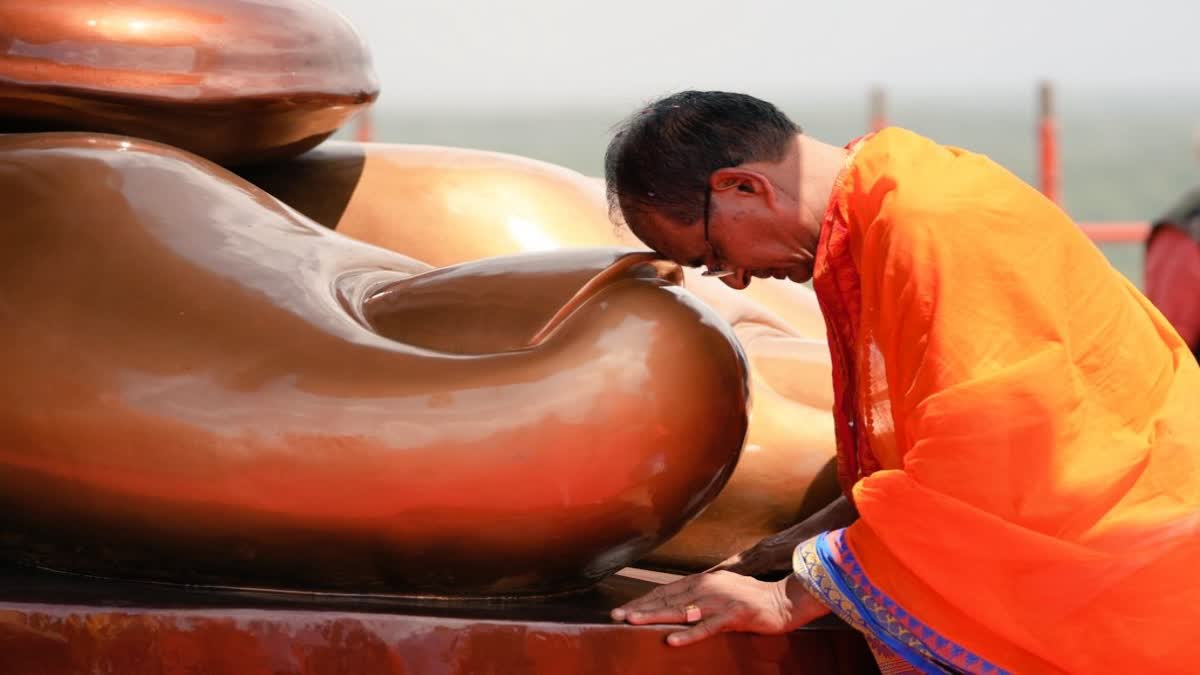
<point>365,131</point>
<point>1048,143</point>
<point>878,109</point>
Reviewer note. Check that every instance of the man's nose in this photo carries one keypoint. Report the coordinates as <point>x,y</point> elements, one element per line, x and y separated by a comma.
<point>738,280</point>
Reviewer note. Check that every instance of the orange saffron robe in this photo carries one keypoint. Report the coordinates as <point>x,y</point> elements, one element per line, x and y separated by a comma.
<point>1018,426</point>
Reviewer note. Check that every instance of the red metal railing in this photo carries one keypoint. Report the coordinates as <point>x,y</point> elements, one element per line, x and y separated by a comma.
<point>1116,232</point>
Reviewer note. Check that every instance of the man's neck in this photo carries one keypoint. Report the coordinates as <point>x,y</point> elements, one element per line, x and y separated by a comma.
<point>819,164</point>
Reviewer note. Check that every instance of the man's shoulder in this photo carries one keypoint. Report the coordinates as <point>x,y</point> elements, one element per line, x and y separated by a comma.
<point>906,154</point>
<point>905,169</point>
<point>898,147</point>
<point>903,175</point>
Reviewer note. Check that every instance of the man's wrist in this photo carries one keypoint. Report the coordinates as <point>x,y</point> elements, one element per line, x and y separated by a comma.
<point>801,606</point>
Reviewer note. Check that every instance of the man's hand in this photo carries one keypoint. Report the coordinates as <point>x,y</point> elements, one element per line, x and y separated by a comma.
<point>772,557</point>
<point>718,602</point>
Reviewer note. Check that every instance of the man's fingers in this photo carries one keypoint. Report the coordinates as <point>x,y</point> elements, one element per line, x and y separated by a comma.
<point>706,628</point>
<point>666,614</point>
<point>659,598</point>
<point>688,609</point>
<point>645,605</point>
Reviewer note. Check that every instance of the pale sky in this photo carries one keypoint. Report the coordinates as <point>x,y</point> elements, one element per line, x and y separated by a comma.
<point>522,53</point>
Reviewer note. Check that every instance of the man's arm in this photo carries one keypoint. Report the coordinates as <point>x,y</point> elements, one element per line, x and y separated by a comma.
<point>772,557</point>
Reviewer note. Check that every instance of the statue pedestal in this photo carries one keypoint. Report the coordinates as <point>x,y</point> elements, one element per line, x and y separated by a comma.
<point>56,624</point>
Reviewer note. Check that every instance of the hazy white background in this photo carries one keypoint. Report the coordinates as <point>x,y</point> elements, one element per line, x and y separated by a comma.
<point>515,53</point>
<point>548,79</point>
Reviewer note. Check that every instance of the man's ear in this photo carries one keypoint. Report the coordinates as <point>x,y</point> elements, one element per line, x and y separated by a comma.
<point>742,181</point>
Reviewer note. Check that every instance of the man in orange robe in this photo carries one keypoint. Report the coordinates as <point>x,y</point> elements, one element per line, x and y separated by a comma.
<point>1018,427</point>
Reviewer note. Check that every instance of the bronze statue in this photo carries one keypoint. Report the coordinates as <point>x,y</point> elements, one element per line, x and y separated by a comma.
<point>448,205</point>
<point>203,387</point>
<point>232,80</point>
<point>241,81</point>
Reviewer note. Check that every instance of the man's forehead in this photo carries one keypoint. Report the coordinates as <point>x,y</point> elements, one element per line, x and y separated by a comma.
<point>679,242</point>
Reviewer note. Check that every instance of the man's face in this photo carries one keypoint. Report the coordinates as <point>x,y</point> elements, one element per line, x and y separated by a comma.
<point>747,235</point>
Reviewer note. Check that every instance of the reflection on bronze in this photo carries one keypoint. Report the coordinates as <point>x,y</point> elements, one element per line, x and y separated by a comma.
<point>201,386</point>
<point>444,206</point>
<point>233,80</point>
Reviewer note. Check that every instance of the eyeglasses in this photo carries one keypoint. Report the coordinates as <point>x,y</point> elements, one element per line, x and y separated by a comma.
<point>718,269</point>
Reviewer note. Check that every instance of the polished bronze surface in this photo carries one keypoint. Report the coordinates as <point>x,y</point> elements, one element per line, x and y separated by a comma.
<point>446,205</point>
<point>233,80</point>
<point>201,386</point>
<point>56,625</point>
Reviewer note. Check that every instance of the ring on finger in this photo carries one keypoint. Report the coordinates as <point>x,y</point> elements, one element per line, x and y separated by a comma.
<point>692,613</point>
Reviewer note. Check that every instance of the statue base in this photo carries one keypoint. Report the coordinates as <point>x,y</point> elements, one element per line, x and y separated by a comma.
<point>52,624</point>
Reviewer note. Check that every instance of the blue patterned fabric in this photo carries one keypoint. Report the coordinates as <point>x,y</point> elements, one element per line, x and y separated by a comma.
<point>900,641</point>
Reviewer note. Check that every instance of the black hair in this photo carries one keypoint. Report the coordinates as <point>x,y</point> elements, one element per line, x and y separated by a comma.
<point>661,157</point>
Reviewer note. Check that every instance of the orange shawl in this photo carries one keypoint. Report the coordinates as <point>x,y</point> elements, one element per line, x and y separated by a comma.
<point>1019,425</point>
